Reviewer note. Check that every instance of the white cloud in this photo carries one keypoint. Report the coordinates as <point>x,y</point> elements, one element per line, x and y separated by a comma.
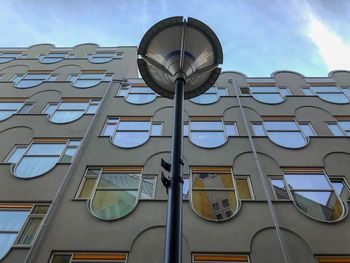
<point>334,52</point>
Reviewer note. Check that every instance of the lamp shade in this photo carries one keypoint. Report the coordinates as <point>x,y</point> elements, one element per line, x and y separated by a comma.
<point>175,48</point>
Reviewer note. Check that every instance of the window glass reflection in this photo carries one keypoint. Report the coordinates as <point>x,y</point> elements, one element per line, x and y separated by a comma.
<point>314,195</point>
<point>213,195</point>
<point>128,134</point>
<point>209,134</point>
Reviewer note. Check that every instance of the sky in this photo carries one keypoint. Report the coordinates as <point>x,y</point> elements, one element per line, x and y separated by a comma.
<point>258,37</point>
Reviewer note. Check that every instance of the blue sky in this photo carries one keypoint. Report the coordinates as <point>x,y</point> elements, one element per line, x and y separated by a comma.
<point>258,37</point>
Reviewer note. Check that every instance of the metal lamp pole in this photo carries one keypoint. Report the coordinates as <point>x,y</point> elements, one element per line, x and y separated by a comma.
<point>173,52</point>
<point>173,241</point>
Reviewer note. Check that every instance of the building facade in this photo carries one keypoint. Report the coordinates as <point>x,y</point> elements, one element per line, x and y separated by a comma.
<point>266,163</point>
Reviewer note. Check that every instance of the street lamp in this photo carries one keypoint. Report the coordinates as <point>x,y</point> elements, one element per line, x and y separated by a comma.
<point>178,59</point>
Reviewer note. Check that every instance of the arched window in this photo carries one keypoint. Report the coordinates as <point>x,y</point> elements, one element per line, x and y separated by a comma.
<point>312,193</point>
<point>54,57</point>
<point>41,156</point>
<point>268,92</point>
<point>329,92</point>
<point>137,94</point>
<point>69,110</point>
<point>25,219</point>
<point>32,79</point>
<point>113,192</point>
<point>88,79</point>
<point>129,132</point>
<point>104,56</point>
<point>212,95</point>
<point>11,107</point>
<point>287,133</point>
<point>9,56</point>
<point>209,132</point>
<point>215,193</point>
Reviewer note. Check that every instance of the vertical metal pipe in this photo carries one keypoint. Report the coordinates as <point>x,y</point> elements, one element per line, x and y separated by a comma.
<point>173,238</point>
<point>262,178</point>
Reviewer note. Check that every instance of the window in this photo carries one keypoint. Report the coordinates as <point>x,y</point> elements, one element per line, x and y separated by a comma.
<point>129,132</point>
<point>41,156</point>
<point>211,95</point>
<point>268,93</point>
<point>289,133</point>
<point>209,132</point>
<point>312,193</point>
<point>113,192</point>
<point>333,259</point>
<point>330,93</point>
<point>104,56</point>
<point>341,187</point>
<point>19,224</point>
<point>69,110</point>
<point>11,107</point>
<point>88,79</point>
<point>340,128</point>
<point>8,56</point>
<point>137,94</point>
<point>215,192</point>
<point>69,257</point>
<point>219,258</point>
<point>52,57</point>
<point>32,79</point>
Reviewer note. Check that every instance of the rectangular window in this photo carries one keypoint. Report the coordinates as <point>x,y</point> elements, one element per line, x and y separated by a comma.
<point>219,258</point>
<point>148,186</point>
<point>33,224</point>
<point>75,257</point>
<point>244,187</point>
<point>333,259</point>
<point>279,188</point>
<point>341,187</point>
<point>340,128</point>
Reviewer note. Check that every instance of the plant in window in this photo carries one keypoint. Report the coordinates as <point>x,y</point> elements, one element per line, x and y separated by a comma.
<point>32,79</point>
<point>212,95</point>
<point>129,132</point>
<point>289,133</point>
<point>9,108</point>
<point>69,110</point>
<point>88,79</point>
<point>269,93</point>
<point>41,156</point>
<point>137,94</point>
<point>19,224</point>
<point>312,193</point>
<point>209,132</point>
<point>215,192</point>
<point>330,93</point>
<point>113,192</point>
